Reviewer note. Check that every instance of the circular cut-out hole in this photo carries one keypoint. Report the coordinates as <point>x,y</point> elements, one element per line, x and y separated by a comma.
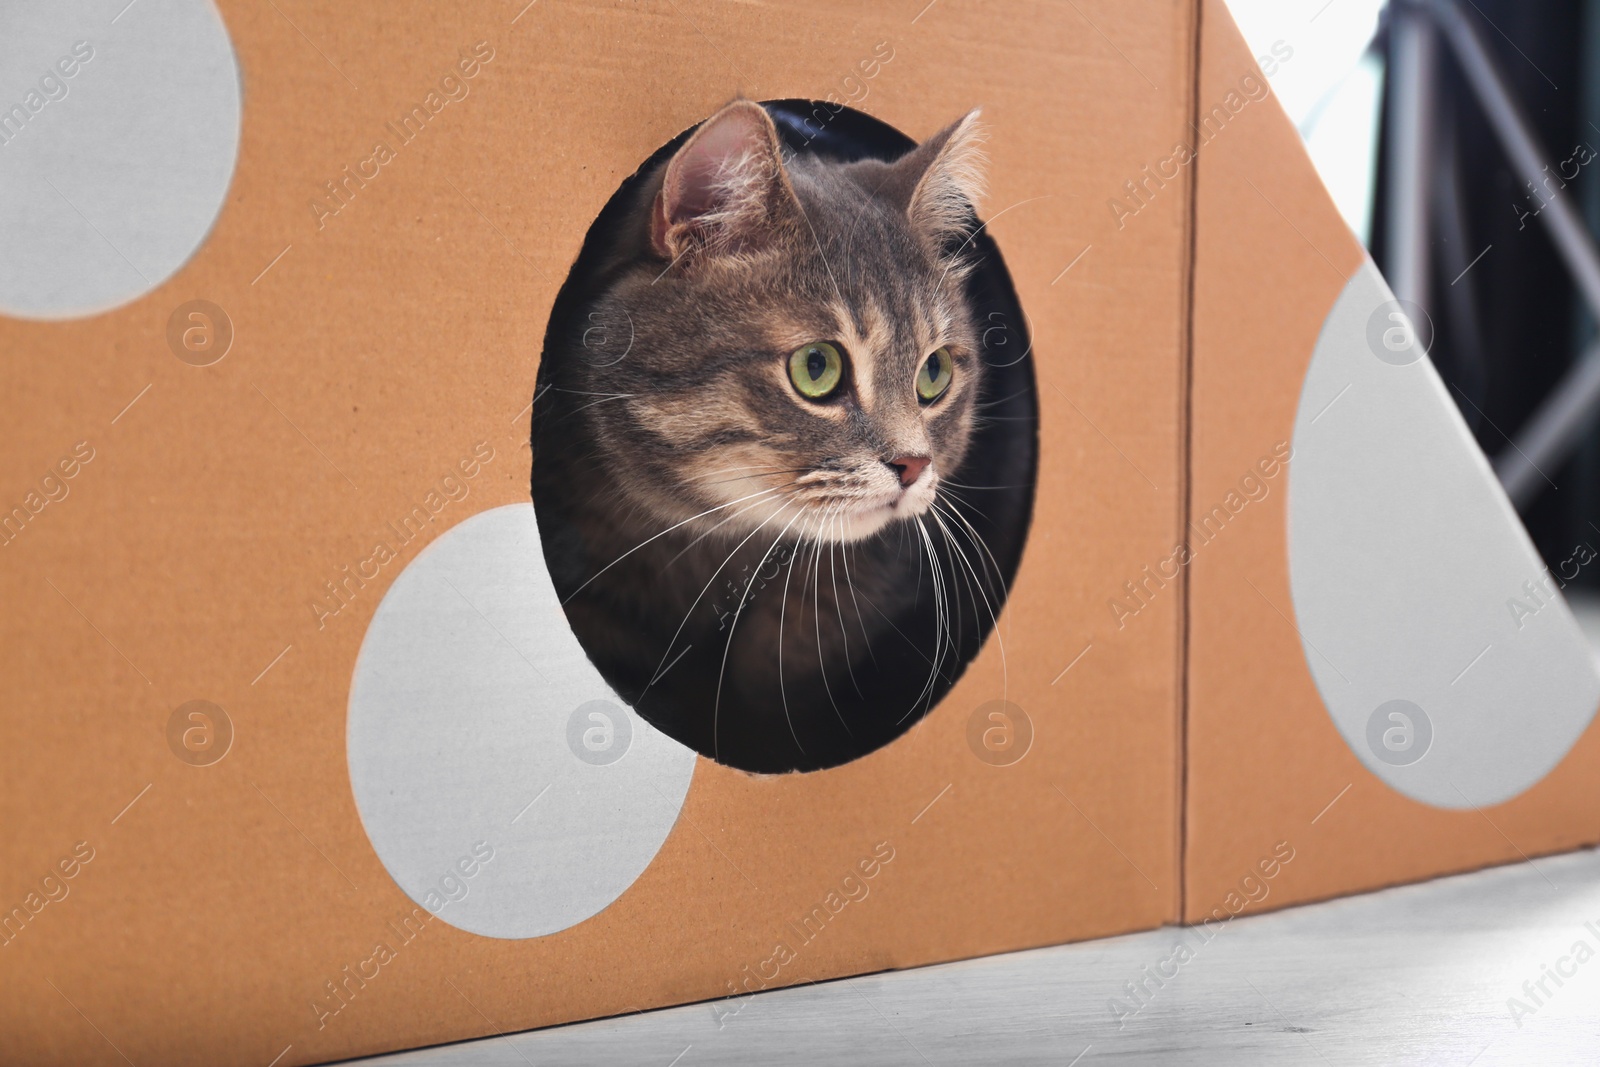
<point>785,434</point>
<point>118,137</point>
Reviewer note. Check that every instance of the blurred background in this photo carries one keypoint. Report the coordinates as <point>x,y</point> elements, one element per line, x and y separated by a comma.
<point>1461,141</point>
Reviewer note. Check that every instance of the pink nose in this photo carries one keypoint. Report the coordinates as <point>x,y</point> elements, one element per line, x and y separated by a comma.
<point>909,468</point>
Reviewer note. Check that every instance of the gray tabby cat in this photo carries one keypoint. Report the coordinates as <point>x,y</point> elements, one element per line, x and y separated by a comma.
<point>742,446</point>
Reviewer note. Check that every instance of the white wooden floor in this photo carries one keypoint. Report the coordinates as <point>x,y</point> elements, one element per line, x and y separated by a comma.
<point>1414,975</point>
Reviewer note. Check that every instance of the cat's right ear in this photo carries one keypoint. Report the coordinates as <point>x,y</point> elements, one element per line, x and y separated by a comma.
<point>725,191</point>
<point>945,176</point>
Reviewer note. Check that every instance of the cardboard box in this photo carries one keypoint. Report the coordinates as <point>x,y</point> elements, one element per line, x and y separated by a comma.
<point>1389,567</point>
<point>276,872</point>
<point>223,914</point>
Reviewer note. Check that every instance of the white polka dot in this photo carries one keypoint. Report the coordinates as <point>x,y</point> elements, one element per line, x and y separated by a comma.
<point>1405,562</point>
<point>119,129</point>
<point>477,721</point>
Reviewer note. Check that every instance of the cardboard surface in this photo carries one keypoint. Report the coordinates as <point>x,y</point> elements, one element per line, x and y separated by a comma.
<point>373,350</point>
<point>1264,761</point>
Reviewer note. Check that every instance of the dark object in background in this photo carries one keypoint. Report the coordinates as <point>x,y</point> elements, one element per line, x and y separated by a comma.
<point>1507,329</point>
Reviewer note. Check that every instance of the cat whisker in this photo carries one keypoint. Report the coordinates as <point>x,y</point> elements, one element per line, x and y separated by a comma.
<point>970,532</point>
<point>753,478</point>
<point>930,683</point>
<point>603,398</point>
<point>822,659</point>
<point>838,607</point>
<point>997,401</point>
<point>716,710</point>
<point>957,605</point>
<point>944,591</point>
<point>976,540</point>
<point>851,585</point>
<point>941,618</point>
<point>953,619</point>
<point>583,392</point>
<point>783,610</point>
<point>986,420</point>
<point>913,645</point>
<point>597,403</point>
<point>767,469</point>
<point>709,583</point>
<point>947,491</point>
<point>781,490</point>
<point>980,592</point>
<point>663,533</point>
<point>981,488</point>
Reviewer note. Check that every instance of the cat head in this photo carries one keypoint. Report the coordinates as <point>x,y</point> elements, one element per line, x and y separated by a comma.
<point>800,351</point>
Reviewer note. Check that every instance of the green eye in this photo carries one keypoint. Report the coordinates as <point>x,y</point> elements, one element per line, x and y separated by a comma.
<point>816,369</point>
<point>934,376</point>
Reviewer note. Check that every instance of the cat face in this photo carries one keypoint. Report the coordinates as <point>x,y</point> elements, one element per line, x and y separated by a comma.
<point>800,355</point>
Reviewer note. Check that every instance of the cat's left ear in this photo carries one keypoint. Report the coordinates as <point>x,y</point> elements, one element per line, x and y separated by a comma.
<point>948,169</point>
<point>725,190</point>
